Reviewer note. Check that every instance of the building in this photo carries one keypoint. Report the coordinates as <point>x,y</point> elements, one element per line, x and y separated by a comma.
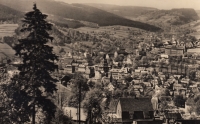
<point>171,117</point>
<point>68,68</point>
<point>173,50</point>
<point>115,73</point>
<point>73,113</point>
<point>81,68</point>
<point>133,109</point>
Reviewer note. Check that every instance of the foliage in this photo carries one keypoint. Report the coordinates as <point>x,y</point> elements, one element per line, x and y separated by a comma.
<point>194,102</point>
<point>146,77</point>
<point>128,78</point>
<point>61,118</point>
<point>117,93</point>
<point>61,50</point>
<point>179,101</point>
<point>34,85</point>
<point>78,83</point>
<point>97,60</point>
<point>192,75</point>
<point>119,58</point>
<point>95,103</point>
<point>163,106</point>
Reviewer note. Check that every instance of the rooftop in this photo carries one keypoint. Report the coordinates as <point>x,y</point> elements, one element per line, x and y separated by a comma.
<point>136,104</point>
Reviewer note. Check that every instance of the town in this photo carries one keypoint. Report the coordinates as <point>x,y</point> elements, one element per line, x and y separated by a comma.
<point>119,74</point>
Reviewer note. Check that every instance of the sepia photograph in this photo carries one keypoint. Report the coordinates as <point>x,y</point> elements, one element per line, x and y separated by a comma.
<point>99,61</point>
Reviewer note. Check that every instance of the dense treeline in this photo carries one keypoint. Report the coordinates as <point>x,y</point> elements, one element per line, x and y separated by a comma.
<point>8,14</point>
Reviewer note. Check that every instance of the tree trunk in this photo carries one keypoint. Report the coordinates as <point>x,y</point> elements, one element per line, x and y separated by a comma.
<point>33,114</point>
<point>79,107</point>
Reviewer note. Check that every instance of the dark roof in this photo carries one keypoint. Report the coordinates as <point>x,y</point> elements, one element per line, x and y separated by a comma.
<point>136,104</point>
<point>173,115</point>
<point>189,121</point>
<point>68,60</point>
<point>150,122</point>
<point>122,51</point>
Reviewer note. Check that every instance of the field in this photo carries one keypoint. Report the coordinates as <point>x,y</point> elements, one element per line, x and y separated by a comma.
<point>7,29</point>
<point>6,50</point>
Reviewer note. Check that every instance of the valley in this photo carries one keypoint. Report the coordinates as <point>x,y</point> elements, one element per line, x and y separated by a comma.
<point>98,63</point>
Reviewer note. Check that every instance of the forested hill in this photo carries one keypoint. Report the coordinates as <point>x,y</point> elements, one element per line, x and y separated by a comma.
<point>173,16</point>
<point>124,11</point>
<point>78,12</point>
<point>9,14</point>
<point>177,16</point>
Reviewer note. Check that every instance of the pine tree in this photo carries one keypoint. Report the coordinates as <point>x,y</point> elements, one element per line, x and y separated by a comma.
<point>33,87</point>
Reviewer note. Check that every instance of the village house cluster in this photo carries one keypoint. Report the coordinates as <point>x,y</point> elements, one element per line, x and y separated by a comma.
<point>170,68</point>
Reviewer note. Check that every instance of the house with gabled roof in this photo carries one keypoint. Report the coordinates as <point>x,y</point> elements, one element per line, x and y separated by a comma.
<point>133,109</point>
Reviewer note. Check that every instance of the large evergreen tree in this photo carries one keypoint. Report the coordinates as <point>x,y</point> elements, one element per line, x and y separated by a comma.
<point>33,87</point>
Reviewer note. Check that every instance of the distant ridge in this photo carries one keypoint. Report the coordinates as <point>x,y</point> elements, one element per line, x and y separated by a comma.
<point>77,12</point>
<point>124,11</point>
<point>176,16</point>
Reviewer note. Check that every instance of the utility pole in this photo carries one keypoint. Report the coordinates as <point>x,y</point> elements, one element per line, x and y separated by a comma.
<point>79,107</point>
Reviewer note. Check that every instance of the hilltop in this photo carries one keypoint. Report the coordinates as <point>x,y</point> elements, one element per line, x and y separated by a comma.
<point>78,12</point>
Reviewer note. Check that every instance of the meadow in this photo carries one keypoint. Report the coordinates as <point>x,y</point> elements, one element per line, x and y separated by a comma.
<point>7,29</point>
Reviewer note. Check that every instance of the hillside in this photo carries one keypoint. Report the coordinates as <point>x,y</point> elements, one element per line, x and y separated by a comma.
<point>169,17</point>
<point>198,12</point>
<point>78,12</point>
<point>152,15</point>
<point>124,11</point>
<point>8,14</point>
<point>63,22</point>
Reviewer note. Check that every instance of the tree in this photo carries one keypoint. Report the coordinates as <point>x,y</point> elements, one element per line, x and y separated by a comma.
<point>61,118</point>
<point>61,50</point>
<point>95,103</point>
<point>119,58</point>
<point>97,60</point>
<point>179,101</point>
<point>92,104</point>
<point>192,75</point>
<point>79,85</point>
<point>128,78</point>
<point>33,87</point>
<point>194,102</point>
<point>117,93</point>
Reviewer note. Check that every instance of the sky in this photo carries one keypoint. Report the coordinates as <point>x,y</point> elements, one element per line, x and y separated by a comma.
<point>160,4</point>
